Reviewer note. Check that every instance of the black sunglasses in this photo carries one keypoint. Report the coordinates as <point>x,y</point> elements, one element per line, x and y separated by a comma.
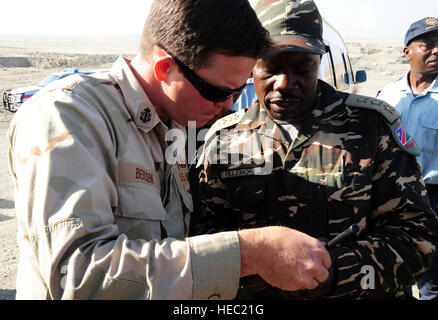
<point>207,90</point>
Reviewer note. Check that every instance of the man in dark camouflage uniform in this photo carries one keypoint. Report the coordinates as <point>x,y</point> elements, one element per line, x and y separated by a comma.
<point>319,161</point>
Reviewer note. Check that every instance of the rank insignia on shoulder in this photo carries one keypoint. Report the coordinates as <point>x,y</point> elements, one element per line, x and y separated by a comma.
<point>388,111</point>
<point>225,122</point>
<point>392,117</point>
<point>404,140</point>
<point>229,120</point>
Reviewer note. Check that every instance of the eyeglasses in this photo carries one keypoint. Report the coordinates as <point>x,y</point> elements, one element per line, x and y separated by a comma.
<point>207,90</point>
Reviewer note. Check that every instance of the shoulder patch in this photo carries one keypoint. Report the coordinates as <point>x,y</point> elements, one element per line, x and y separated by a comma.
<point>385,109</point>
<point>392,117</point>
<point>404,140</point>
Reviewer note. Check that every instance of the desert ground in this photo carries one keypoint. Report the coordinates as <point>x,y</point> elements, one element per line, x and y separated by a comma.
<point>26,61</point>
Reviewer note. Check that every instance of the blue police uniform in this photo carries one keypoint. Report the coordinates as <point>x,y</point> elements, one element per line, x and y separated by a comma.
<point>419,115</point>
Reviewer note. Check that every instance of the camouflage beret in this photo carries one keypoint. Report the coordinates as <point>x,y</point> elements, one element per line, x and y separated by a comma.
<point>294,25</point>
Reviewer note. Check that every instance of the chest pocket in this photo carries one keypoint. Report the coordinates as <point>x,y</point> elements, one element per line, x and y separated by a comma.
<point>325,203</point>
<point>254,196</point>
<point>244,192</point>
<point>428,139</point>
<point>140,209</point>
<point>305,202</point>
<point>140,212</point>
<point>350,198</point>
<point>140,203</point>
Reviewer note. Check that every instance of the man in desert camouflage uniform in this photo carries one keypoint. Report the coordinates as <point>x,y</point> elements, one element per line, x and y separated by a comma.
<point>320,161</point>
<point>101,190</point>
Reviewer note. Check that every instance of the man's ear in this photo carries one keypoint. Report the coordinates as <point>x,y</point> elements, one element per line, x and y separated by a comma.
<point>407,52</point>
<point>162,67</point>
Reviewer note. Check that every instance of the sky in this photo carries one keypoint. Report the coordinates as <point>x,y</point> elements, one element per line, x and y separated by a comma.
<point>354,19</point>
<point>375,19</point>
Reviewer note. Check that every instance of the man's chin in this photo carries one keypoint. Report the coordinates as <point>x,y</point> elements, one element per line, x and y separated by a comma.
<point>280,116</point>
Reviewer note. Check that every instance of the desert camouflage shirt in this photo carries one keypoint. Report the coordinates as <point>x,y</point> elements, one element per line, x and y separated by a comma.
<point>101,212</point>
<point>345,167</point>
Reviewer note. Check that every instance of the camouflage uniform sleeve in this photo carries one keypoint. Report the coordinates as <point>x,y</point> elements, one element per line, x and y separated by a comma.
<point>62,158</point>
<point>400,234</point>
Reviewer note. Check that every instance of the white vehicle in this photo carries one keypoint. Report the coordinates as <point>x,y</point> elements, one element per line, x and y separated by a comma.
<point>335,64</point>
<point>13,99</point>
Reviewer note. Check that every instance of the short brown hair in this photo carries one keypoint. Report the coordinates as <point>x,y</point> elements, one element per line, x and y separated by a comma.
<point>193,29</point>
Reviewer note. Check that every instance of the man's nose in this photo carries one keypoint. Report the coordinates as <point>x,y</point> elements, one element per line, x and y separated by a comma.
<point>284,81</point>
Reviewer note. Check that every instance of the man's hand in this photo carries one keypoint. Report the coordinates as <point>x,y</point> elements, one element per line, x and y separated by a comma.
<point>321,290</point>
<point>284,258</point>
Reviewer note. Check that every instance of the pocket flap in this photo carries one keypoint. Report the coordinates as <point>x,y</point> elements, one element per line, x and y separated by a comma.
<point>140,201</point>
<point>429,122</point>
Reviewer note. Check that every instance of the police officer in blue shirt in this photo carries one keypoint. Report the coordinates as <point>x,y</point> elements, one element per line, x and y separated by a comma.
<point>416,97</point>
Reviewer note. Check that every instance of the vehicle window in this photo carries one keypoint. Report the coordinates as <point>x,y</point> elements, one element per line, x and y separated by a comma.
<point>326,70</point>
<point>340,68</point>
<point>47,80</point>
<point>65,75</point>
<point>349,74</point>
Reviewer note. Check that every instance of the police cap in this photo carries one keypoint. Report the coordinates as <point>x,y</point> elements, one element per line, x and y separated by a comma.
<point>421,27</point>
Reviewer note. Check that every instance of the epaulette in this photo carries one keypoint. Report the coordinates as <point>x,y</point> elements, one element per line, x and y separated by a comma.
<point>385,109</point>
<point>392,119</point>
<point>225,122</point>
<point>222,123</point>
